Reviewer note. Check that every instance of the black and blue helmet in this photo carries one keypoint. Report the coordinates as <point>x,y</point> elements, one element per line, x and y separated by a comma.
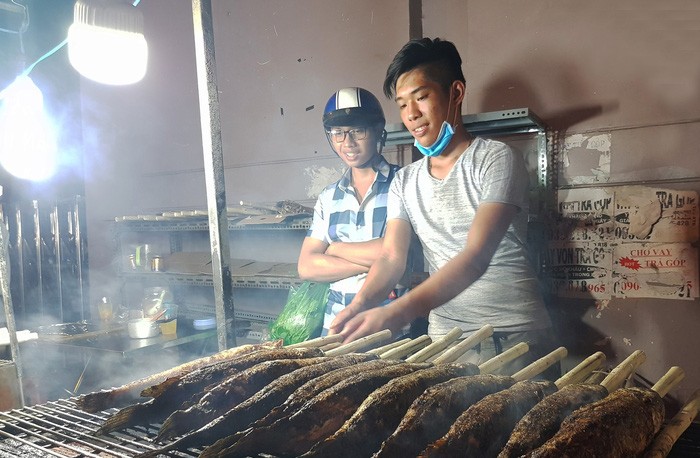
<point>353,106</point>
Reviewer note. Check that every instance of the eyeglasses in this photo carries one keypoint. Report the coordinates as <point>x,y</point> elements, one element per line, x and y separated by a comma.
<point>356,133</point>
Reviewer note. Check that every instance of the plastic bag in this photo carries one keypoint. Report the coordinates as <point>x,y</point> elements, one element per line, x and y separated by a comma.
<point>302,316</point>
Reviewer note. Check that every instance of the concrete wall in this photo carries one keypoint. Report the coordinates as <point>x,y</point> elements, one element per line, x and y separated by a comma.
<point>630,68</point>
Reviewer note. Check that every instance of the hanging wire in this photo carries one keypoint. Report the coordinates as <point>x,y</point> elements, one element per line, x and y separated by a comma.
<point>23,28</point>
<point>48,54</point>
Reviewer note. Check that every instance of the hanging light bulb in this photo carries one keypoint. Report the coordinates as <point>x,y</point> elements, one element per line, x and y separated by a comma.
<point>27,137</point>
<point>106,42</point>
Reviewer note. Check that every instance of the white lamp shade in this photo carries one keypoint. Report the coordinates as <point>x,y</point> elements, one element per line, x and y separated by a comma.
<point>28,146</point>
<point>105,43</point>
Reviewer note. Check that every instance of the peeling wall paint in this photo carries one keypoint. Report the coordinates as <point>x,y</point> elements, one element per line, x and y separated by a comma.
<point>319,177</point>
<point>586,159</point>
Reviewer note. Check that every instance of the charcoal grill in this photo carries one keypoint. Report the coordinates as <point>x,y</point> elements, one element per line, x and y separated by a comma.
<point>60,429</point>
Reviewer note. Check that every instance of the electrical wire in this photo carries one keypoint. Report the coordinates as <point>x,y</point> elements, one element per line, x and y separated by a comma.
<point>48,54</point>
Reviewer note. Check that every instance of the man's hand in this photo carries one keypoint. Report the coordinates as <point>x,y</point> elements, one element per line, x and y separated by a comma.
<point>356,325</point>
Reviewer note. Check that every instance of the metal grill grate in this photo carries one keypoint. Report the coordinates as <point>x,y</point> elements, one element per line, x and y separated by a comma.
<point>60,429</point>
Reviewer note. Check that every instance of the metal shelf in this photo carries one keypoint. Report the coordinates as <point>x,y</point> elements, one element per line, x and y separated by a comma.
<point>190,224</point>
<point>207,280</point>
<point>492,123</point>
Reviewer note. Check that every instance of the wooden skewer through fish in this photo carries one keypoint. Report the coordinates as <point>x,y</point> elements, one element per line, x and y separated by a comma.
<point>391,345</point>
<point>436,347</point>
<point>361,343</point>
<point>331,346</point>
<point>669,434</point>
<point>453,353</point>
<point>504,358</point>
<point>626,368</point>
<point>318,341</point>
<point>543,420</point>
<point>541,364</point>
<point>408,348</point>
<point>591,363</point>
<point>638,415</point>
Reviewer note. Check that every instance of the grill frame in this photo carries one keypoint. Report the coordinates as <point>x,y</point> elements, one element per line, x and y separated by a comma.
<point>61,429</point>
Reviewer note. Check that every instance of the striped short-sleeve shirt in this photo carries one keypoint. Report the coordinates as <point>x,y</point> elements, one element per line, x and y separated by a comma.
<point>339,217</point>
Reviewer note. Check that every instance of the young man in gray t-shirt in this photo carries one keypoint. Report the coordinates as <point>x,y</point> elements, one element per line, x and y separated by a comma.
<point>466,200</point>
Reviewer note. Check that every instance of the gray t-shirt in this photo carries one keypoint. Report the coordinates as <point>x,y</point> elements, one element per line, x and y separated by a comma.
<point>508,295</point>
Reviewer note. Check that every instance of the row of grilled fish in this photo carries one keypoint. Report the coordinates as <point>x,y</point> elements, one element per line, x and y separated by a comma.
<point>297,402</point>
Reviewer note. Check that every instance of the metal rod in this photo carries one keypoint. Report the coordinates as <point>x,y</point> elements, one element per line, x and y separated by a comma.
<point>80,266</point>
<point>38,259</point>
<point>19,246</point>
<point>58,264</point>
<point>214,171</point>
<point>9,310</point>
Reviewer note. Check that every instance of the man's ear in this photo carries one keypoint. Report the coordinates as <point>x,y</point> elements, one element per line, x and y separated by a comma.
<point>459,90</point>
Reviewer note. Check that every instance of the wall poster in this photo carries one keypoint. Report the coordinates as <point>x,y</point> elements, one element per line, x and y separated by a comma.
<point>629,241</point>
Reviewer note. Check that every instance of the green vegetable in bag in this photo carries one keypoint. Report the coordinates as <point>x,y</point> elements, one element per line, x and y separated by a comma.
<point>302,316</point>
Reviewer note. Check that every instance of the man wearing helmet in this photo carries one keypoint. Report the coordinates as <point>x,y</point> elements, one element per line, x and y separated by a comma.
<point>350,214</point>
<point>467,202</point>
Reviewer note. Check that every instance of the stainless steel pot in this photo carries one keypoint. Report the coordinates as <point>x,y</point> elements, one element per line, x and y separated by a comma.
<point>142,328</point>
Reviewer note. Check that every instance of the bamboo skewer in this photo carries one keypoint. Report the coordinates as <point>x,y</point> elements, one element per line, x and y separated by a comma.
<point>331,346</point>
<point>617,376</point>
<point>361,343</point>
<point>504,358</point>
<point>318,342</point>
<point>540,365</point>
<point>663,442</point>
<point>591,363</point>
<point>436,347</point>
<point>470,342</point>
<point>670,379</point>
<point>406,349</point>
<point>385,348</point>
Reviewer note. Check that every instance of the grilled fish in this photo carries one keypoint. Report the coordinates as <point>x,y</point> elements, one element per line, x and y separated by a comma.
<point>484,428</point>
<point>430,416</point>
<point>175,394</point>
<point>295,401</point>
<point>318,418</point>
<point>620,425</point>
<point>259,404</point>
<point>227,394</point>
<point>382,411</point>
<point>544,420</point>
<point>102,400</point>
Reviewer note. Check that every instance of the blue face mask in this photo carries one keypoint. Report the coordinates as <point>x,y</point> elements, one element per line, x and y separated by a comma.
<point>443,139</point>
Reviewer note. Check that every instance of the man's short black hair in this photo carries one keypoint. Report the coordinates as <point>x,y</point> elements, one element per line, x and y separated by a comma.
<point>439,59</point>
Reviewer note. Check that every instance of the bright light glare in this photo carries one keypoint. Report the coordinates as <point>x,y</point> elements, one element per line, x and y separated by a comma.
<point>107,55</point>
<point>27,138</point>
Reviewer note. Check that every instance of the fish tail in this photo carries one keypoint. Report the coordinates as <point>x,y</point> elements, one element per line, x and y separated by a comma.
<point>94,402</point>
<point>179,422</point>
<point>234,445</point>
<point>128,416</point>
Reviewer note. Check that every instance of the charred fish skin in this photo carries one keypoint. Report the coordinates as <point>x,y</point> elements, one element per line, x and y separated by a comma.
<point>620,425</point>
<point>294,402</point>
<point>545,418</point>
<point>105,399</point>
<point>313,387</point>
<point>227,394</point>
<point>254,408</point>
<point>382,410</point>
<point>430,416</point>
<point>216,372</point>
<point>484,428</point>
<point>174,395</point>
<point>318,418</point>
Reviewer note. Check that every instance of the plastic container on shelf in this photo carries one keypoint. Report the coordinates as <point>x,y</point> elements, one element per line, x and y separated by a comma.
<point>203,324</point>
